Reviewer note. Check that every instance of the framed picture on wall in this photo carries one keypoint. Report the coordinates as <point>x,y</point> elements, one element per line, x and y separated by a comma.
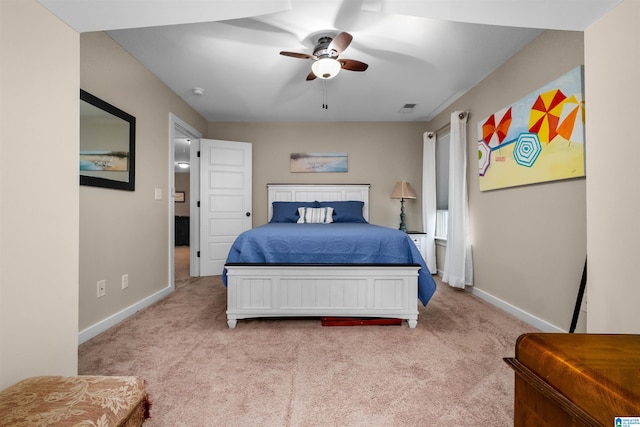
<point>539,138</point>
<point>319,162</point>
<point>179,196</point>
<point>107,144</point>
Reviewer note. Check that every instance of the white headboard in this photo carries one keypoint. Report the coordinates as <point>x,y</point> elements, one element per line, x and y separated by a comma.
<point>319,192</point>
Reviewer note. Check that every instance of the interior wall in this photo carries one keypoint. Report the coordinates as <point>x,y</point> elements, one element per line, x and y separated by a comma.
<point>528,242</point>
<point>182,184</point>
<point>612,58</point>
<point>38,193</point>
<point>125,232</point>
<point>380,154</point>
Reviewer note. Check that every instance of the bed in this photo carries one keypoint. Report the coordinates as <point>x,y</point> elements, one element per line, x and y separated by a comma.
<point>345,267</point>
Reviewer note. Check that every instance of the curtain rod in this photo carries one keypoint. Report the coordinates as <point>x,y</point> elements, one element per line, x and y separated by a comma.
<point>461,116</point>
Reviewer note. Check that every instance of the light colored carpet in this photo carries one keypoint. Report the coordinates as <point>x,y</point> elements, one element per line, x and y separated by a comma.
<point>295,372</point>
<point>181,262</point>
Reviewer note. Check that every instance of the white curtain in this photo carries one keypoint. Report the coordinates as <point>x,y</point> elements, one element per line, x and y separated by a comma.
<point>429,197</point>
<point>458,264</point>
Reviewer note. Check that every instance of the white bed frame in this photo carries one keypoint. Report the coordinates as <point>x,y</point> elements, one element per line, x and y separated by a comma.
<point>294,290</point>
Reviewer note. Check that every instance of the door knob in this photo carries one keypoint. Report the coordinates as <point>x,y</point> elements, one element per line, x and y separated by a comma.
<point>248,214</point>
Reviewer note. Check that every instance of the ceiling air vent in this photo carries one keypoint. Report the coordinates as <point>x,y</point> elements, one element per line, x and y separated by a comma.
<point>407,108</point>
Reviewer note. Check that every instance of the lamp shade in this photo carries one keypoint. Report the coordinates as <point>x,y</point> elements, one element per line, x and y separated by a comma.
<point>326,68</point>
<point>403,190</point>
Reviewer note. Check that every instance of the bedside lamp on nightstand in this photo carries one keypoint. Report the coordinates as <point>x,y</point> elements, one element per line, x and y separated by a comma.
<point>403,191</point>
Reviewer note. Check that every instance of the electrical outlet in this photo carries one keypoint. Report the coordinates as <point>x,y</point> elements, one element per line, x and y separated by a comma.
<point>125,281</point>
<point>102,288</point>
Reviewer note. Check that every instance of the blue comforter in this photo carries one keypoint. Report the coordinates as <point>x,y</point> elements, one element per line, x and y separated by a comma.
<point>337,243</point>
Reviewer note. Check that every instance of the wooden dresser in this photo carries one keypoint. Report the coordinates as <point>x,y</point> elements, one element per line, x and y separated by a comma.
<point>575,379</point>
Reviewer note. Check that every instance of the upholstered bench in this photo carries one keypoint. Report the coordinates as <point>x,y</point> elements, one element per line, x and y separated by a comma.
<point>75,401</point>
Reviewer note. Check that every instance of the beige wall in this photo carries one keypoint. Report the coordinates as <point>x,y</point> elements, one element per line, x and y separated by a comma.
<point>529,243</point>
<point>379,154</point>
<point>125,232</point>
<point>612,58</point>
<point>39,118</point>
<point>182,184</point>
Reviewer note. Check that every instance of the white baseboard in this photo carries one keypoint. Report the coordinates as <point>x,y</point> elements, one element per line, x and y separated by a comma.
<point>94,330</point>
<point>534,321</point>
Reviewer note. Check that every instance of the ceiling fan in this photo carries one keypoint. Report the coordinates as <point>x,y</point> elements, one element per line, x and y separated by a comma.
<point>326,63</point>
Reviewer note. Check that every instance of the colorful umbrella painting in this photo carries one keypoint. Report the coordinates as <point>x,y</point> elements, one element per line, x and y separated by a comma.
<point>537,139</point>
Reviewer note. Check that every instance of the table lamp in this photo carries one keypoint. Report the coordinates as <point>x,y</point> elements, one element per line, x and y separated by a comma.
<point>403,191</point>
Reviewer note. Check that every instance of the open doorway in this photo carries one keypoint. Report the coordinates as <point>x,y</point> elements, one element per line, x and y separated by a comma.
<point>182,212</point>
<point>183,139</point>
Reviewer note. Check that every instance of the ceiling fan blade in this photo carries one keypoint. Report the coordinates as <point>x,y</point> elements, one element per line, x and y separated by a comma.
<point>347,14</point>
<point>352,64</point>
<point>358,15</point>
<point>311,76</point>
<point>298,55</point>
<point>341,42</point>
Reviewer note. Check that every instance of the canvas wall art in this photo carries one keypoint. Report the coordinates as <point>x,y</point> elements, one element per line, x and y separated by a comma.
<point>539,138</point>
<point>319,162</point>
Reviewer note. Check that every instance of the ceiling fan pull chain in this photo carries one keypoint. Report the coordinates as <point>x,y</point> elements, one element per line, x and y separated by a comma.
<point>325,105</point>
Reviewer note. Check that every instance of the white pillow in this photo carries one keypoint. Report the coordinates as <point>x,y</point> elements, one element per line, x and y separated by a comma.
<point>315,215</point>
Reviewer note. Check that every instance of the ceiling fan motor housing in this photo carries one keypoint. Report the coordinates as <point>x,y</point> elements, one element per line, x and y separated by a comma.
<point>322,49</point>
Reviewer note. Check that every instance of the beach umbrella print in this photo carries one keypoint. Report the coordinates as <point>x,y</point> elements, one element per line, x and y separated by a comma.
<point>545,114</point>
<point>571,125</point>
<point>493,134</point>
<point>527,149</point>
<point>484,157</point>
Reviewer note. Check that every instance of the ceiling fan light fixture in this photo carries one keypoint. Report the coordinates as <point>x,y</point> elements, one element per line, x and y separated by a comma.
<point>326,68</point>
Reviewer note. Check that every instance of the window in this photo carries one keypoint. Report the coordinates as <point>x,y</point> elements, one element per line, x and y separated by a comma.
<point>442,186</point>
<point>442,218</point>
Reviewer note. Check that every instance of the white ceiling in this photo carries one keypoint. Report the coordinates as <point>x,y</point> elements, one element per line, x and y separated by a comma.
<point>426,52</point>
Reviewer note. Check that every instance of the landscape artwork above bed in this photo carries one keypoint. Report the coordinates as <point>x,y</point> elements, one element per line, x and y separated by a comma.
<point>319,162</point>
<point>539,138</point>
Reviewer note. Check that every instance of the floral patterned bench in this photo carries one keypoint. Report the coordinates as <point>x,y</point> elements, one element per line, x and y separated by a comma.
<point>101,401</point>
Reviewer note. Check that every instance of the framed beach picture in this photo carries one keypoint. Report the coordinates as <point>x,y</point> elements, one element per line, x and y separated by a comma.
<point>107,144</point>
<point>319,162</point>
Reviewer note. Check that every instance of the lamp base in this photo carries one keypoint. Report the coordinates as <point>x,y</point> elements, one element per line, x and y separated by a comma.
<point>403,226</point>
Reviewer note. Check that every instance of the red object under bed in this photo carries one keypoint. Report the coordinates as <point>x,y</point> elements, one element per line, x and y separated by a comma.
<point>354,321</point>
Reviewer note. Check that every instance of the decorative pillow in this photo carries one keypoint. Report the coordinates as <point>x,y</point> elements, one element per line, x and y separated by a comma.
<point>346,211</point>
<point>315,215</point>
<point>288,211</point>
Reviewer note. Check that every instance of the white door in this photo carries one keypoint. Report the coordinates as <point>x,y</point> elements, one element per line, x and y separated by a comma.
<point>225,200</point>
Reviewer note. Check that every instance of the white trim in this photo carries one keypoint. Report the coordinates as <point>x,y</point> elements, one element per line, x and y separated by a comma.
<point>532,320</point>
<point>96,329</point>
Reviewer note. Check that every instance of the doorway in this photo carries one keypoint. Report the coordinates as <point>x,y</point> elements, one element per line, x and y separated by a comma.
<point>182,145</point>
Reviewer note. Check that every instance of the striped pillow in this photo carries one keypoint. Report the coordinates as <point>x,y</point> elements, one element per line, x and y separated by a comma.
<point>315,215</point>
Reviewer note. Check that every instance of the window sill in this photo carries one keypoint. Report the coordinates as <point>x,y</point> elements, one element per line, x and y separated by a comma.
<point>440,242</point>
